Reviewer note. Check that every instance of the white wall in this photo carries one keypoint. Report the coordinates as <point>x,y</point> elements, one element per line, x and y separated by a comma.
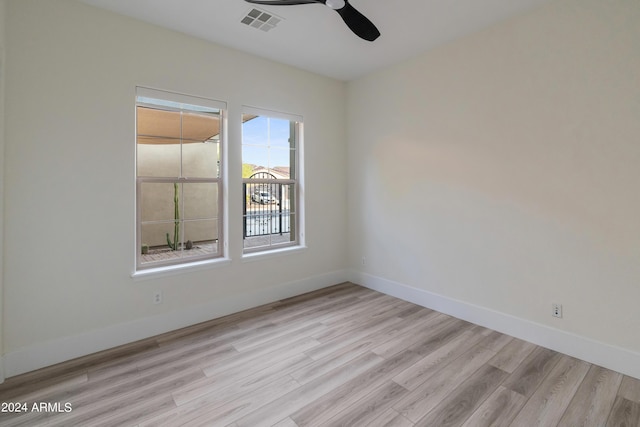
<point>2,74</point>
<point>500,172</point>
<point>69,203</point>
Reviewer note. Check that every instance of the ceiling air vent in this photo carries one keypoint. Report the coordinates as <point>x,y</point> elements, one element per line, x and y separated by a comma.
<point>260,19</point>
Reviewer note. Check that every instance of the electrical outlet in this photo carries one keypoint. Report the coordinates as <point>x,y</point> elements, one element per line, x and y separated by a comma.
<point>157,297</point>
<point>556,310</point>
<point>364,260</point>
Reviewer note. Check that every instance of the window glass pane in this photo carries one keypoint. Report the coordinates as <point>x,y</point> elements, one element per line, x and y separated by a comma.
<point>280,135</point>
<point>280,162</point>
<point>157,126</point>
<point>256,156</point>
<point>263,230</point>
<point>254,130</point>
<point>201,160</point>
<point>199,127</point>
<point>200,200</point>
<point>265,195</point>
<point>269,196</point>
<point>154,237</point>
<point>269,143</point>
<point>157,201</point>
<point>157,160</point>
<point>173,143</point>
<point>203,235</point>
<point>200,240</point>
<point>268,219</point>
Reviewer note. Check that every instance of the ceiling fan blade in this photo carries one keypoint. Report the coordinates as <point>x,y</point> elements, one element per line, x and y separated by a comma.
<point>283,2</point>
<point>358,23</point>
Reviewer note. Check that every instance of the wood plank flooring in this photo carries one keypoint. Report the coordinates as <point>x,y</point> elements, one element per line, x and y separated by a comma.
<point>341,356</point>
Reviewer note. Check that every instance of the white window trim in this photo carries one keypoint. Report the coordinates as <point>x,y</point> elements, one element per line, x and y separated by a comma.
<point>246,109</point>
<point>180,98</point>
<point>275,252</point>
<point>178,269</point>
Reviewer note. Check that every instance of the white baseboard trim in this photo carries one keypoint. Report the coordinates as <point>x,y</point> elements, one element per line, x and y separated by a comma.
<point>60,350</point>
<point>609,356</point>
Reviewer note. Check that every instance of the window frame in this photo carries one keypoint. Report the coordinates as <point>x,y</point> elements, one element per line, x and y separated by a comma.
<point>297,182</point>
<point>182,101</point>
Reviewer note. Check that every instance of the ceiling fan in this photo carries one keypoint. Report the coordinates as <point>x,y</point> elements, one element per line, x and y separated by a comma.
<point>356,21</point>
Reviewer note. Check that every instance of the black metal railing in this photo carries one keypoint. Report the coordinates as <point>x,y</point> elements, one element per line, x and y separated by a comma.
<point>266,209</point>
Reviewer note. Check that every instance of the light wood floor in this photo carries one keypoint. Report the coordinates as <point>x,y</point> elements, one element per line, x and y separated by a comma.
<point>342,356</point>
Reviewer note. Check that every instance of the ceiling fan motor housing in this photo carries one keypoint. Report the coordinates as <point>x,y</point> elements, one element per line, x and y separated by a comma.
<point>335,4</point>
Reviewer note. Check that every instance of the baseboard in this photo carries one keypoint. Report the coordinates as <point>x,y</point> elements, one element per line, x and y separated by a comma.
<point>611,357</point>
<point>52,352</point>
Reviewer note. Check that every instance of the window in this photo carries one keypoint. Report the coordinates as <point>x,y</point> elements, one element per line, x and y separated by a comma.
<point>179,181</point>
<point>271,172</point>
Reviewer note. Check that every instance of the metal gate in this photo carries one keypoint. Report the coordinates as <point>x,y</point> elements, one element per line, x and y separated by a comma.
<point>264,209</point>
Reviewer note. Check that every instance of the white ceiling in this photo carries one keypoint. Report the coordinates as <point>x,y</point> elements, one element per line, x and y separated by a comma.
<point>314,37</point>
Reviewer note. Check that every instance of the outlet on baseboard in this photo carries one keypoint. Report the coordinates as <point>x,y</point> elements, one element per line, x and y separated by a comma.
<point>157,297</point>
<point>556,310</point>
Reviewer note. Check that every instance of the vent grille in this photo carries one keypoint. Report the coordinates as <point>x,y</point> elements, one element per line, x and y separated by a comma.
<point>261,20</point>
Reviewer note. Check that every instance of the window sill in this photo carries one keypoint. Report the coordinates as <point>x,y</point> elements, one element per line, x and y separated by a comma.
<point>173,270</point>
<point>272,253</point>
